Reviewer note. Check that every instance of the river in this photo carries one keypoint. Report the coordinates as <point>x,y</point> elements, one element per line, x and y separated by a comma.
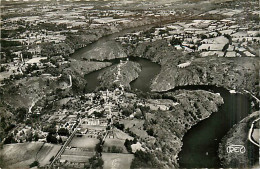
<point>200,143</point>
<point>149,69</point>
<point>148,73</point>
<point>143,82</point>
<point>78,54</point>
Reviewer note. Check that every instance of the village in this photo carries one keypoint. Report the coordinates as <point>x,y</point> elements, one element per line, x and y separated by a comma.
<point>104,118</point>
<point>40,33</point>
<point>221,38</point>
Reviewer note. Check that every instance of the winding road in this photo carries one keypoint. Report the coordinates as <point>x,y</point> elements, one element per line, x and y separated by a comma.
<point>250,134</point>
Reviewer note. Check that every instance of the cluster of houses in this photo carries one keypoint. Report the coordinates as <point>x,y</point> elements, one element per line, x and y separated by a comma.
<point>209,37</point>
<point>27,133</point>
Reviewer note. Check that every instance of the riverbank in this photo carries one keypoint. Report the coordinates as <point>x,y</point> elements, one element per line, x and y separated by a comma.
<point>78,40</point>
<point>231,73</point>
<point>167,128</point>
<point>106,51</point>
<point>238,135</point>
<point>208,133</point>
<point>120,74</point>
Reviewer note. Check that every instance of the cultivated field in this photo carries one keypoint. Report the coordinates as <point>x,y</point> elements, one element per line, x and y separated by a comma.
<point>75,158</point>
<point>78,151</point>
<point>46,153</point>
<point>117,161</point>
<point>84,142</point>
<point>21,155</point>
<point>77,155</point>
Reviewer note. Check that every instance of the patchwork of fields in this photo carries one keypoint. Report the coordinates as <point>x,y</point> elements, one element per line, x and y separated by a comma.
<point>21,155</point>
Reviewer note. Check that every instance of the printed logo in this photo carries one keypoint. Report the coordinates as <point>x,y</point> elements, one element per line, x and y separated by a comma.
<point>236,149</point>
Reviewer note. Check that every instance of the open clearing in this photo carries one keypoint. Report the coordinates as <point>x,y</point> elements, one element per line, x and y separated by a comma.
<point>119,134</point>
<point>117,161</point>
<point>136,126</point>
<point>84,142</point>
<point>21,155</point>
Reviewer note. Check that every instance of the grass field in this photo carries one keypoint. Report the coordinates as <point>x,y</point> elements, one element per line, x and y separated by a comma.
<point>84,142</point>
<point>117,161</point>
<point>136,126</point>
<point>119,134</point>
<point>75,158</point>
<point>21,155</point>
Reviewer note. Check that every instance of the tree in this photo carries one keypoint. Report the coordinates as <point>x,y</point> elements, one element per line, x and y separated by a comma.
<point>96,162</point>
<point>99,148</point>
<point>98,114</point>
<point>128,144</point>
<point>150,132</point>
<point>63,132</point>
<point>225,47</point>
<point>51,139</point>
<point>34,164</point>
<point>52,158</point>
<point>36,137</point>
<point>127,111</point>
<point>21,114</point>
<point>119,126</point>
<point>2,69</point>
<point>175,41</point>
<point>10,139</point>
<point>144,160</point>
<point>203,36</point>
<point>50,130</point>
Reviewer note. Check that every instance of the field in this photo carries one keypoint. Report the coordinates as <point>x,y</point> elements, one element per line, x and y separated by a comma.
<point>78,151</point>
<point>117,161</point>
<point>136,126</point>
<point>119,134</point>
<point>47,152</point>
<point>21,155</point>
<point>109,142</point>
<point>77,155</point>
<point>84,142</point>
<point>75,158</point>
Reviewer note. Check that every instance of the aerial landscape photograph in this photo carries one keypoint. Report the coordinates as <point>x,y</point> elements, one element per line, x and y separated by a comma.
<point>129,84</point>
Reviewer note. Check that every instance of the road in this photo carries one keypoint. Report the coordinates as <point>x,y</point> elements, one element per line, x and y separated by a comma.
<point>251,133</point>
<point>70,85</point>
<point>252,96</point>
<point>65,145</point>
